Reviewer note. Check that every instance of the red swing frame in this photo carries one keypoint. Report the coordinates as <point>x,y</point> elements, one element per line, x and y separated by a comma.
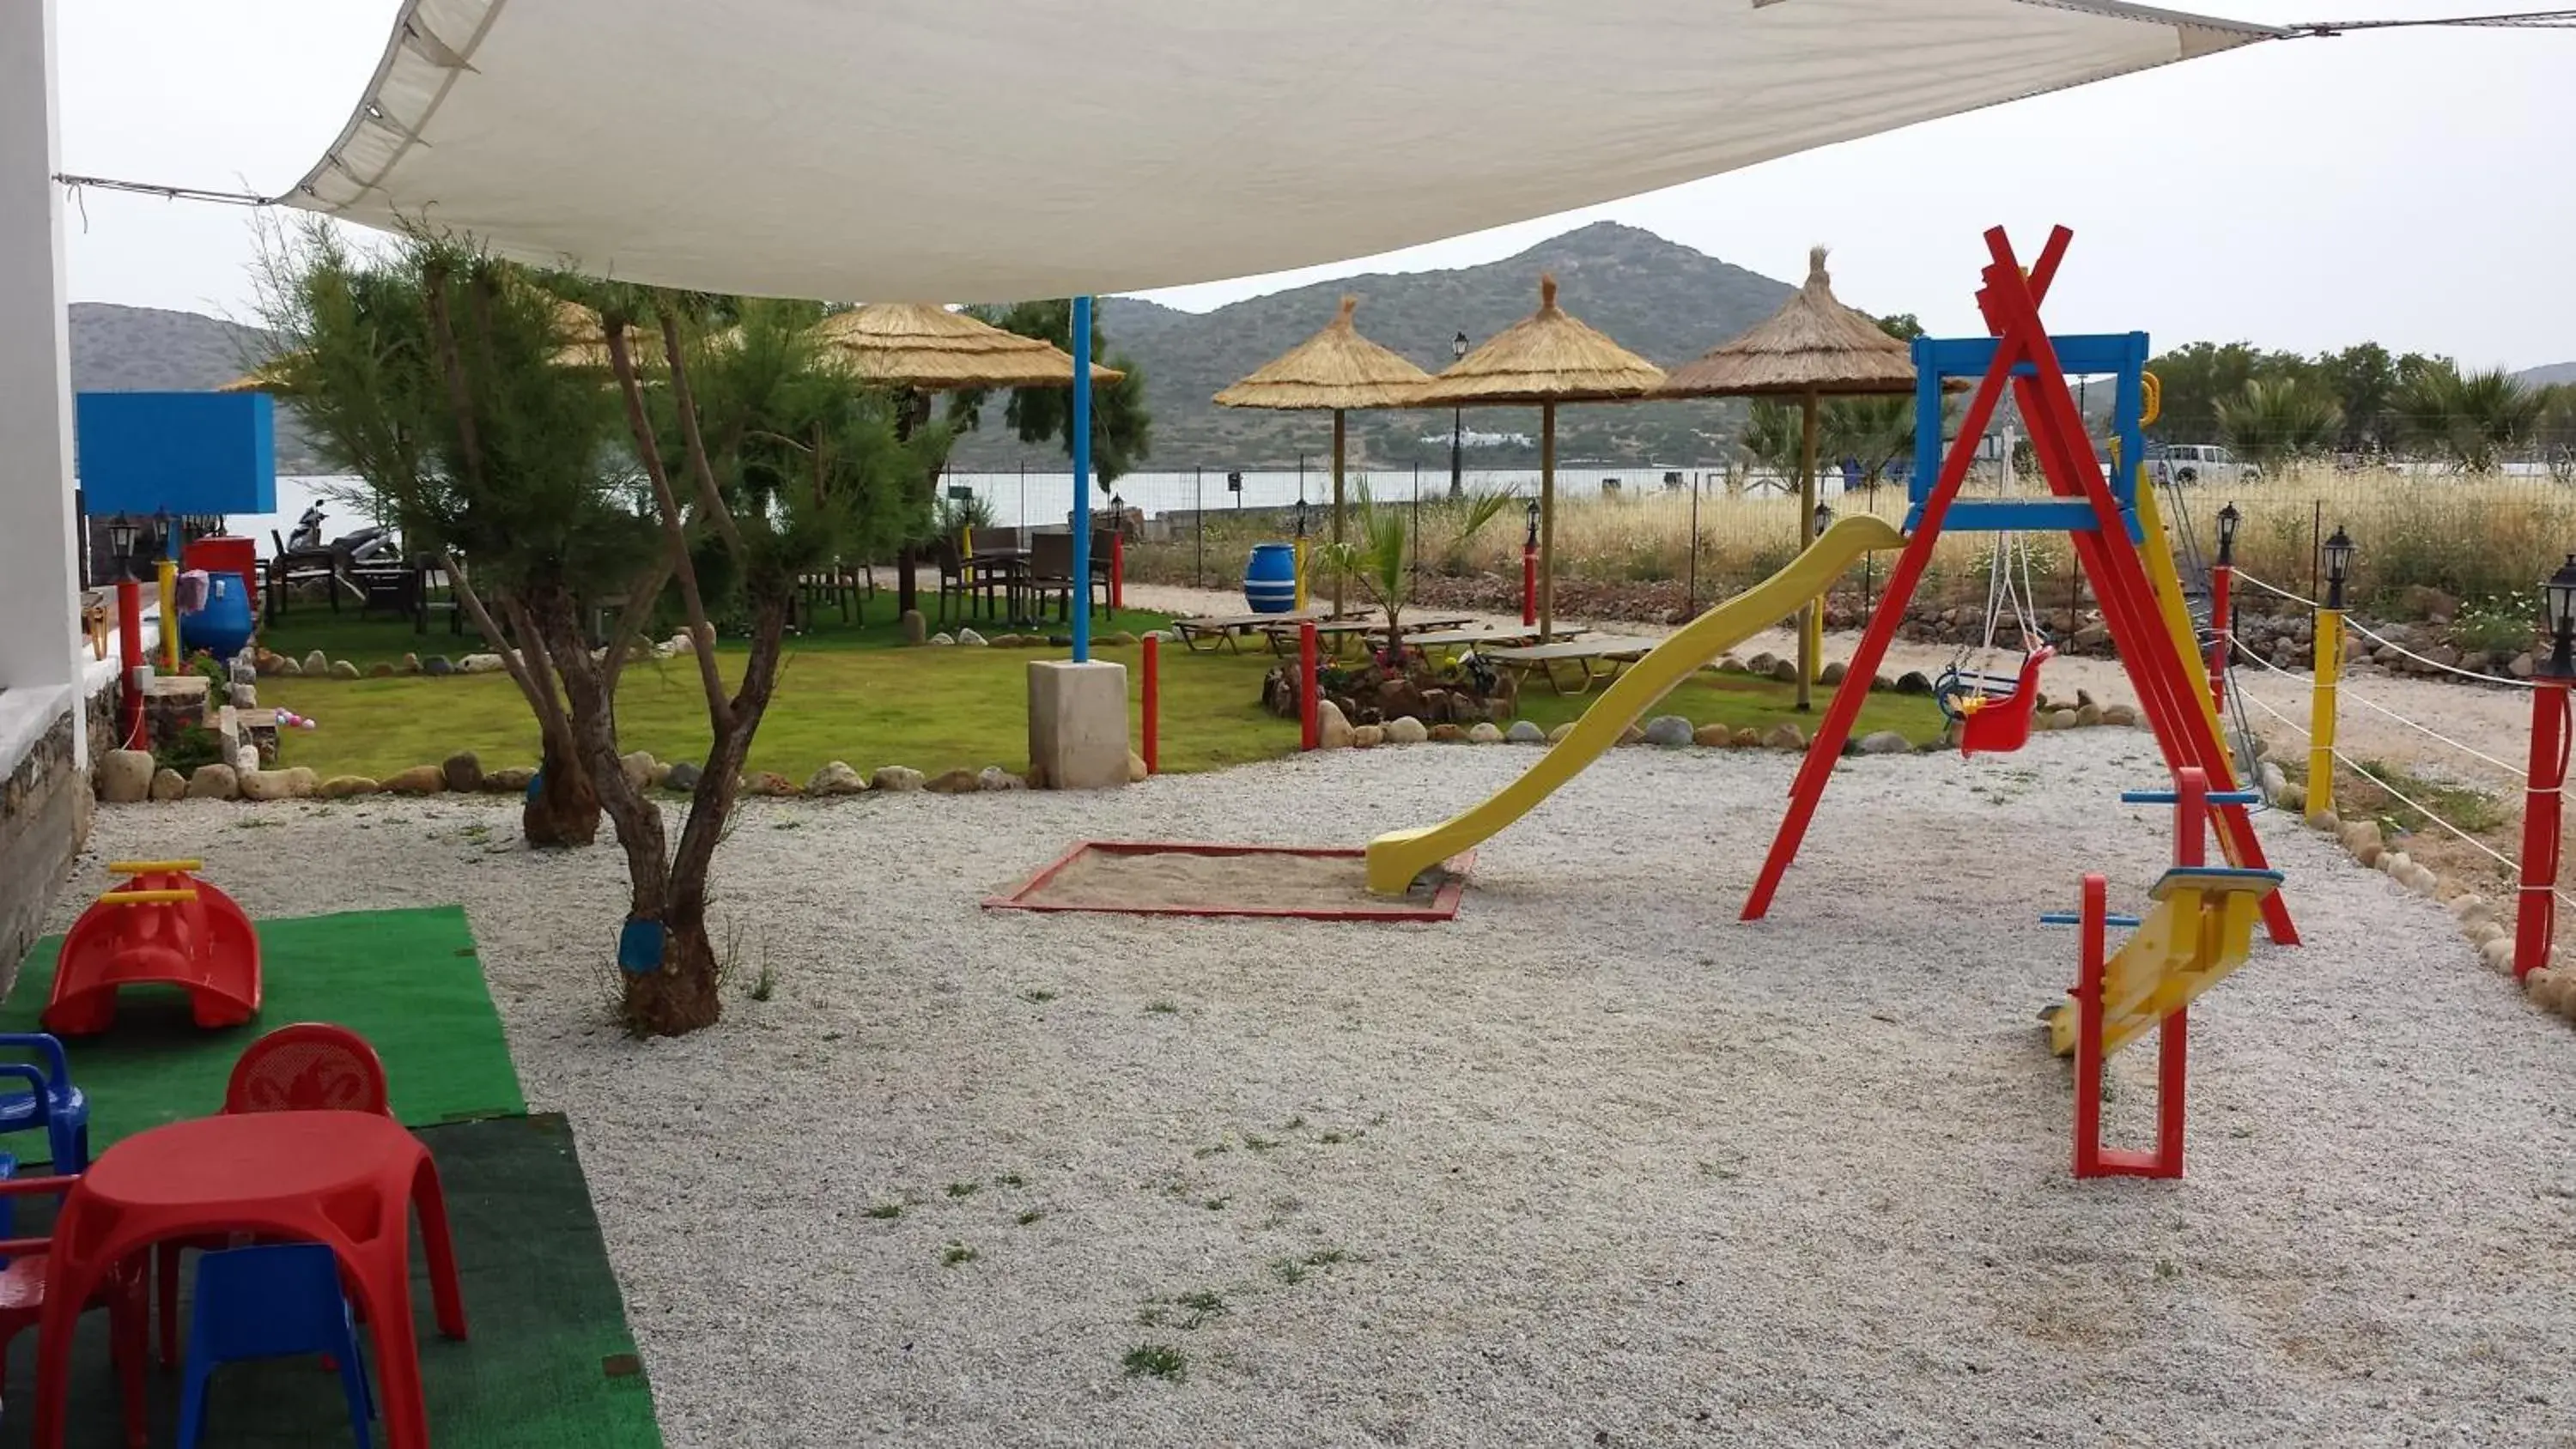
<point>2009,301</point>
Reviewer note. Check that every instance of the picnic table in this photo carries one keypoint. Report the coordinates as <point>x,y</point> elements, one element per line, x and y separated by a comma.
<point>1331,632</point>
<point>347,1180</point>
<point>1596,658</point>
<point>1205,633</point>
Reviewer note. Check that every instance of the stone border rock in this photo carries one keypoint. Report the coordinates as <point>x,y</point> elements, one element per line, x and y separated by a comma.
<point>2482,922</point>
<point>131,777</point>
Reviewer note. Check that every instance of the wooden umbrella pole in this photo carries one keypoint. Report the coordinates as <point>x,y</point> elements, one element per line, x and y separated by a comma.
<point>1337,511</point>
<point>1811,615</point>
<point>1546,522</point>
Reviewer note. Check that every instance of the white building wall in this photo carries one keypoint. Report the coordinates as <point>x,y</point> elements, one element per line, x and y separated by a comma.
<point>39,608</point>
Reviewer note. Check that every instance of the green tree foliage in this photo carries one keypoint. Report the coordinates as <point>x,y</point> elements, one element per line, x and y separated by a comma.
<point>2467,420</point>
<point>439,377</point>
<point>1122,431</point>
<point>2556,432</point>
<point>1773,437</point>
<point>760,456</point>
<point>2273,420</point>
<point>1872,431</point>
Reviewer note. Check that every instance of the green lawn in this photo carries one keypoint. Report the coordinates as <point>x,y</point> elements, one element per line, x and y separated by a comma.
<point>845,694</point>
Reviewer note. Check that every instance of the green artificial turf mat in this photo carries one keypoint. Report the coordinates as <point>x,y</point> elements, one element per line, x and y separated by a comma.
<point>407,981</point>
<point>548,1362</point>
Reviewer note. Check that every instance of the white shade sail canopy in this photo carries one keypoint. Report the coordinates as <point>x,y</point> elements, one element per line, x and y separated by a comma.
<point>995,149</point>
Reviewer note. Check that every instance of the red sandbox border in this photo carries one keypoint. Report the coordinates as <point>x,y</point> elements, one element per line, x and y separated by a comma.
<point>1443,905</point>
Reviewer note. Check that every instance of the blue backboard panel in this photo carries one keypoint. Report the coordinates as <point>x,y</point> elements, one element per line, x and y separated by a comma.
<point>177,452</point>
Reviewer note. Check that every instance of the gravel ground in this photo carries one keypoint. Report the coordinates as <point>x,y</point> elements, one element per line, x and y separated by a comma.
<point>1594,1164</point>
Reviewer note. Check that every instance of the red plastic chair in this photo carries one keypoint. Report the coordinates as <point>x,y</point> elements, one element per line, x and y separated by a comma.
<point>22,1304</point>
<point>308,1067</point>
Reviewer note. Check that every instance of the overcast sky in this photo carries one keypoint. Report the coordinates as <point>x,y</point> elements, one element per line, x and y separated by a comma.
<point>2411,187</point>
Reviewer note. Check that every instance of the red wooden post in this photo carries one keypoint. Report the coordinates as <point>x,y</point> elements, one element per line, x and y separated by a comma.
<point>1310,733</point>
<point>1153,703</point>
<point>2191,817</point>
<point>2222,630</point>
<point>1118,569</point>
<point>2536,913</point>
<point>2093,923</point>
<point>1529,585</point>
<point>129,658</point>
<point>2173,1055</point>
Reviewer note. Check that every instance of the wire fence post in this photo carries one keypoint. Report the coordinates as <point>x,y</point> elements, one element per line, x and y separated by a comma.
<point>1417,518</point>
<point>1198,524</point>
<point>1693,603</point>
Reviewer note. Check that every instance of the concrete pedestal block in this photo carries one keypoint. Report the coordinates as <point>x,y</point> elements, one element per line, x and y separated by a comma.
<point>1077,724</point>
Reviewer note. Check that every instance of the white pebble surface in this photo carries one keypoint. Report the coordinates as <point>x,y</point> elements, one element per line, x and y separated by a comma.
<point>1593,1164</point>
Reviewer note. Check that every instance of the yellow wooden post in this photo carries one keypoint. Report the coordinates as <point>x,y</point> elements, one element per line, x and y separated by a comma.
<point>2321,716</point>
<point>169,616</point>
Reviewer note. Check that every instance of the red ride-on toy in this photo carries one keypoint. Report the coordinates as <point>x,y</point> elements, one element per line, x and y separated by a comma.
<point>163,927</point>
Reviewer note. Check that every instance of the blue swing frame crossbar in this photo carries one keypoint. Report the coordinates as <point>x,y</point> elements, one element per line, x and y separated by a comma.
<point>2120,355</point>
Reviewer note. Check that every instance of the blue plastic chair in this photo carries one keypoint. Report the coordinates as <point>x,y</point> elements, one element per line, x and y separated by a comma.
<point>279,1300</point>
<point>50,1101</point>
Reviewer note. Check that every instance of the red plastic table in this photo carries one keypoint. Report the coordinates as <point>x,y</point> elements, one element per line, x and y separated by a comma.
<point>345,1179</point>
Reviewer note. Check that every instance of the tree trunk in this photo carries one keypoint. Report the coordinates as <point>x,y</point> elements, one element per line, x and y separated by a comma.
<point>565,808</point>
<point>907,597</point>
<point>681,997</point>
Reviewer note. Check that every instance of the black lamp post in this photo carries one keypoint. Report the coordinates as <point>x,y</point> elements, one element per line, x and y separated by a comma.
<point>2561,590</point>
<point>1118,513</point>
<point>120,542</point>
<point>2228,518</point>
<point>1457,465</point>
<point>1824,518</point>
<point>2338,551</point>
<point>1530,543</point>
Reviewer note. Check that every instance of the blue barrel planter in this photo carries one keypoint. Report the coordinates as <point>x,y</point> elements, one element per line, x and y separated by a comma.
<point>223,626</point>
<point>1270,578</point>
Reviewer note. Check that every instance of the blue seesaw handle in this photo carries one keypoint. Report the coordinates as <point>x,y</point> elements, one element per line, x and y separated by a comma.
<point>2167,797</point>
<point>2070,918</point>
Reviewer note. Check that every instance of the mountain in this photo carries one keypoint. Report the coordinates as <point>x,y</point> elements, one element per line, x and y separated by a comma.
<point>1660,299</point>
<point>1664,301</point>
<point>154,349</point>
<point>2548,375</point>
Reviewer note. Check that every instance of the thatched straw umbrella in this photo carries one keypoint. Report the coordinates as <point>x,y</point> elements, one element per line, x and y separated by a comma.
<point>924,347</point>
<point>918,348</point>
<point>585,344</point>
<point>1336,368</point>
<point>1813,347</point>
<point>1545,358</point>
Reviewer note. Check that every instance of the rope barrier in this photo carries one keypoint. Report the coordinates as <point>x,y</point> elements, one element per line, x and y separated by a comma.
<point>2393,792</point>
<point>2368,633</point>
<point>2366,702</point>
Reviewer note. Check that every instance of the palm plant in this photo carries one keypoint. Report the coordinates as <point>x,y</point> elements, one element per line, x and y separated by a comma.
<point>2272,420</point>
<point>1774,438</point>
<point>2469,420</point>
<point>1872,431</point>
<point>1376,558</point>
<point>1471,512</point>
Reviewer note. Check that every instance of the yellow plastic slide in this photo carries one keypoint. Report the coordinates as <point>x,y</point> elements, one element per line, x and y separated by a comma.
<point>1395,859</point>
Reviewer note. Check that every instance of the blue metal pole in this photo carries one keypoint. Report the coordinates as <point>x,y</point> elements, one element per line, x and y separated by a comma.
<point>1081,480</point>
